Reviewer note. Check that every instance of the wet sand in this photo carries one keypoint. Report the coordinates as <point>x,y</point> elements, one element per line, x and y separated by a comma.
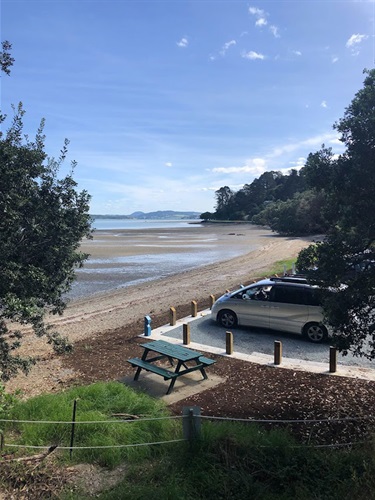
<point>119,259</point>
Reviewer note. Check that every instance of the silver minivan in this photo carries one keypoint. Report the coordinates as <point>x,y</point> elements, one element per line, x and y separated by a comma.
<point>284,304</point>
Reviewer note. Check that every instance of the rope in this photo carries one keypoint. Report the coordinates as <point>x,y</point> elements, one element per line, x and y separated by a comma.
<point>118,421</point>
<point>92,447</point>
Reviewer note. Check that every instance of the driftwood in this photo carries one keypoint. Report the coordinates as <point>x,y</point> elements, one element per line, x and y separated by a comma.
<point>32,458</point>
<point>127,415</point>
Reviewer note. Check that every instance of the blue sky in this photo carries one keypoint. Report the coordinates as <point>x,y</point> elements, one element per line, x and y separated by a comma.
<point>165,102</point>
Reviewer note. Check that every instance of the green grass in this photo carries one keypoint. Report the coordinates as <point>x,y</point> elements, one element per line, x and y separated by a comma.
<point>278,267</point>
<point>233,461</point>
<point>96,402</point>
<point>229,461</point>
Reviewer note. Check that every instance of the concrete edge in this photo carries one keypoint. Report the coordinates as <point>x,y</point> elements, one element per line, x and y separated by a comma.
<point>260,358</point>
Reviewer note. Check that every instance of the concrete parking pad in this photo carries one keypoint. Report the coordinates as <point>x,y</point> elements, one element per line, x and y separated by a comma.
<point>185,386</point>
<point>166,333</point>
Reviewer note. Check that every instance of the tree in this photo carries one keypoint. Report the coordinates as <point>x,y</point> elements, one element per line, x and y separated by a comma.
<point>6,60</point>
<point>224,196</point>
<point>42,222</point>
<point>344,263</point>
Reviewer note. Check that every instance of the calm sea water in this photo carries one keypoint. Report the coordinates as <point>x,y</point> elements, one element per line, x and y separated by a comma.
<point>167,253</point>
<point>141,224</point>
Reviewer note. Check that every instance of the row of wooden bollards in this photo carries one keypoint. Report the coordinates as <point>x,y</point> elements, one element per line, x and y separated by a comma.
<point>194,310</point>
<point>278,348</point>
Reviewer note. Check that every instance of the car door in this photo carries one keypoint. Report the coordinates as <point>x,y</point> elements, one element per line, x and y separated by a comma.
<point>288,310</point>
<point>253,310</point>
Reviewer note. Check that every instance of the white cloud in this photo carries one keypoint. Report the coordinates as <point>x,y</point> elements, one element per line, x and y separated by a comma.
<point>334,59</point>
<point>255,166</point>
<point>323,104</point>
<point>297,52</point>
<point>256,12</point>
<point>168,164</point>
<point>275,31</point>
<point>355,40</point>
<point>226,46</point>
<point>184,42</point>
<point>261,22</point>
<point>353,43</point>
<point>252,55</point>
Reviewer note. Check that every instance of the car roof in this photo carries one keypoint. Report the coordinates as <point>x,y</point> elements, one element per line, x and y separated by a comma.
<point>274,281</point>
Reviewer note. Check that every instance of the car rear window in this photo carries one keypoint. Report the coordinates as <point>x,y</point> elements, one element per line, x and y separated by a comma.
<point>289,294</point>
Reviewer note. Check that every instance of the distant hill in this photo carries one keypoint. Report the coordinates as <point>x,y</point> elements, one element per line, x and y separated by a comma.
<point>160,214</point>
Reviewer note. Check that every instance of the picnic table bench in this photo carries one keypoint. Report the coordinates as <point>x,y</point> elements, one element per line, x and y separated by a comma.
<point>172,352</point>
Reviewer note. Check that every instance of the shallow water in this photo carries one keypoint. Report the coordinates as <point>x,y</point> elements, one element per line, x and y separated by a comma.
<point>124,258</point>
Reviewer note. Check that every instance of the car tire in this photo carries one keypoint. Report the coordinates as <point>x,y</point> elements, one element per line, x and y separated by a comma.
<point>315,332</point>
<point>227,318</point>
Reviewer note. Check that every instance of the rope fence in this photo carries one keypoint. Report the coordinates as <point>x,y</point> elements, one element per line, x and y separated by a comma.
<point>191,417</point>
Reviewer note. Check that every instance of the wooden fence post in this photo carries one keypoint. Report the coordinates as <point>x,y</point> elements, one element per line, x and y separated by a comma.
<point>73,428</point>
<point>186,333</point>
<point>194,308</point>
<point>212,300</point>
<point>278,352</point>
<point>332,359</point>
<point>191,422</point>
<point>172,316</point>
<point>229,342</point>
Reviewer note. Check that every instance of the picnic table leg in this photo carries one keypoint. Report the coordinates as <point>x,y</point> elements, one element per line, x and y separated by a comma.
<point>136,376</point>
<point>171,385</point>
<point>139,369</point>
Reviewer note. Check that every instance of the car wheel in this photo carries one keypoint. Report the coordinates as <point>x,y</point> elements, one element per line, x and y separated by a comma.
<point>227,318</point>
<point>315,332</point>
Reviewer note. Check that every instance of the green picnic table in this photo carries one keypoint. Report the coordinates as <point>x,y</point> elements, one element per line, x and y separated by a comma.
<point>174,353</point>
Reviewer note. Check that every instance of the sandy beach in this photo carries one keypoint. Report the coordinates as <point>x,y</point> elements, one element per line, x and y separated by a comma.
<point>107,311</point>
<point>94,315</point>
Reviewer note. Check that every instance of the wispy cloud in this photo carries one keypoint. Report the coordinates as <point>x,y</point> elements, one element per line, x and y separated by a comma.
<point>226,46</point>
<point>252,55</point>
<point>297,52</point>
<point>253,166</point>
<point>275,31</point>
<point>353,43</point>
<point>169,164</point>
<point>323,104</point>
<point>184,42</point>
<point>334,59</point>
<point>262,21</point>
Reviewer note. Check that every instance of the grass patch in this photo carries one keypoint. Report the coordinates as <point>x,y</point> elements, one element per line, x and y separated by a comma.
<point>240,462</point>
<point>95,403</point>
<point>230,460</point>
<point>279,266</point>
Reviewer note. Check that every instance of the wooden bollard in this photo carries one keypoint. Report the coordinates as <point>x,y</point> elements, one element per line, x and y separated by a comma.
<point>212,300</point>
<point>186,334</point>
<point>194,308</point>
<point>332,360</point>
<point>172,316</point>
<point>278,352</point>
<point>229,342</point>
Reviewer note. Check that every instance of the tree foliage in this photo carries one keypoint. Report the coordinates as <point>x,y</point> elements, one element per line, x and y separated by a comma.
<point>345,260</point>
<point>42,221</point>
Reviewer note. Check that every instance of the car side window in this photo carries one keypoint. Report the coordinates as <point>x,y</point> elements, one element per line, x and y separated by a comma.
<point>288,295</point>
<point>256,293</point>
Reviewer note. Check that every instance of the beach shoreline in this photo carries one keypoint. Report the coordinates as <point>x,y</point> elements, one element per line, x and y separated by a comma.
<point>98,315</point>
<point>106,311</point>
